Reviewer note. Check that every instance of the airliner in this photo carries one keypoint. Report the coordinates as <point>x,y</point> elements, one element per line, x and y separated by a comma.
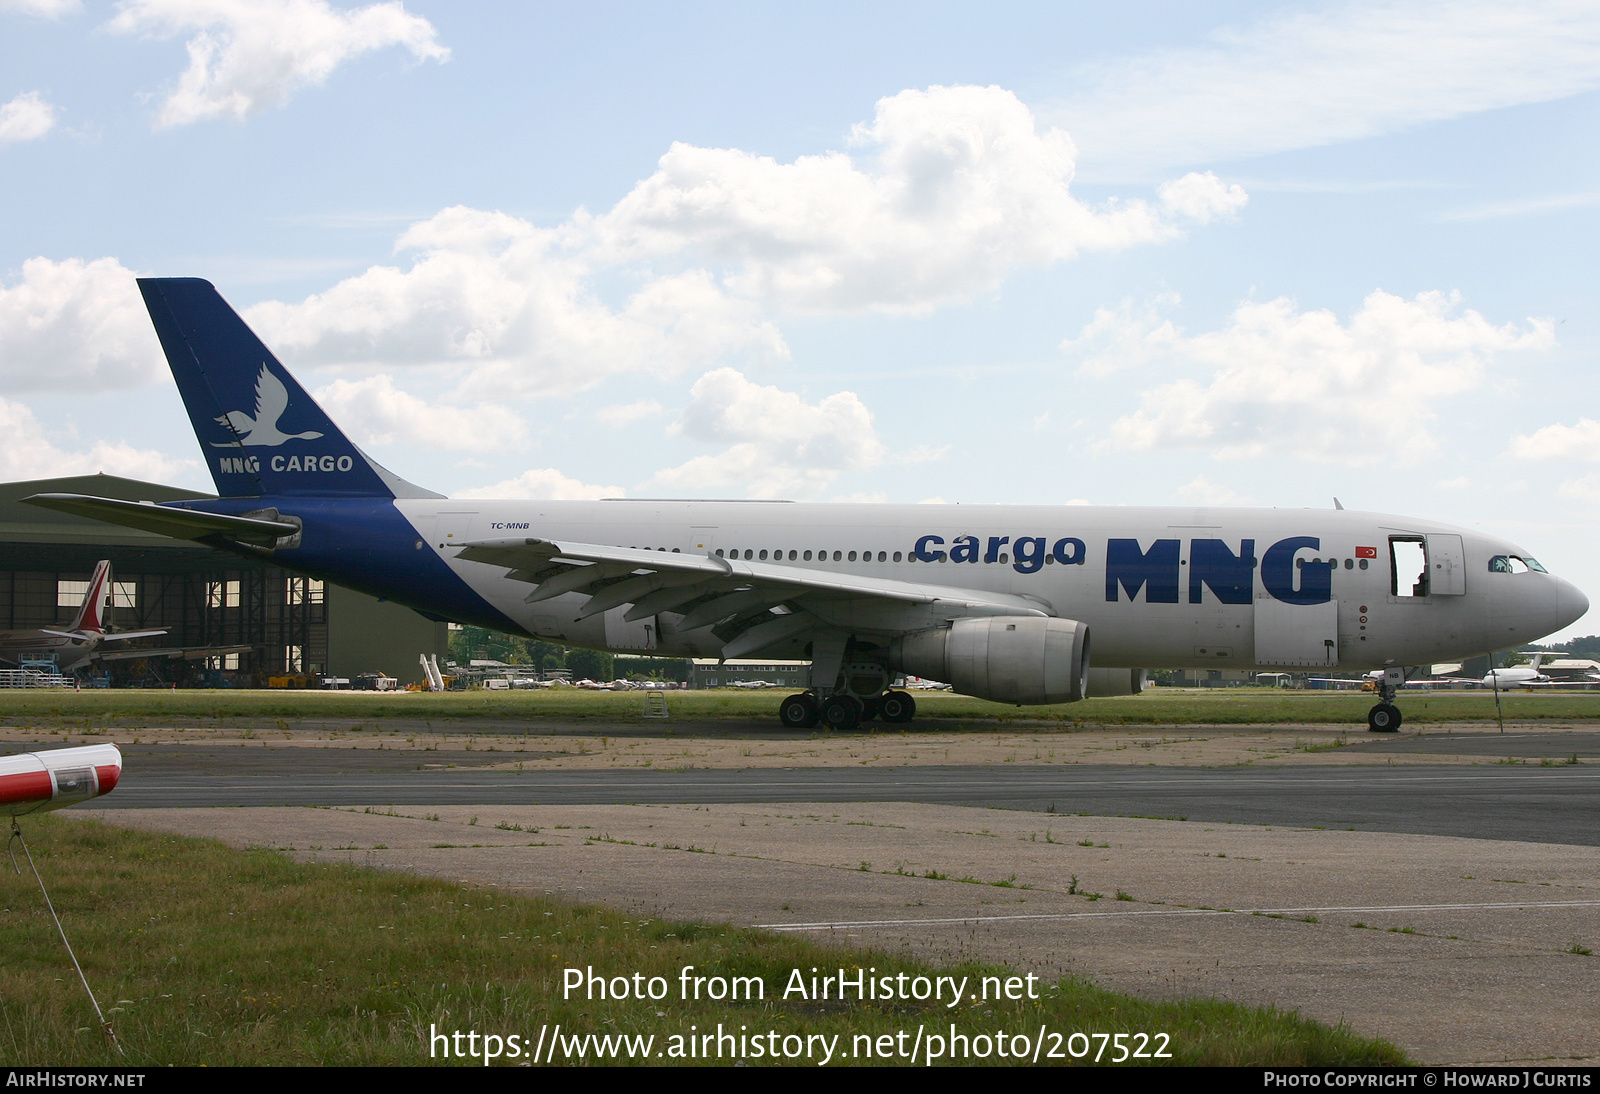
<point>78,641</point>
<point>1016,604</point>
<point>1528,676</point>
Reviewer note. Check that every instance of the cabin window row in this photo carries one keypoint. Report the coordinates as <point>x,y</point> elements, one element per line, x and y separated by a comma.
<point>807,556</point>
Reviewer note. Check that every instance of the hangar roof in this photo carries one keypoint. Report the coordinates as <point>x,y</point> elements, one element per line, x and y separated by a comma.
<point>21,523</point>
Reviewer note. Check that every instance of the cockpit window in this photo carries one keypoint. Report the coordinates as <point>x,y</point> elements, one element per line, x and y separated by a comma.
<point>1511,564</point>
<point>1533,564</point>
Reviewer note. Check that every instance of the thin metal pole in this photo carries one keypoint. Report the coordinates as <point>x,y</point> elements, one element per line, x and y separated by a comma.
<point>16,834</point>
<point>1494,682</point>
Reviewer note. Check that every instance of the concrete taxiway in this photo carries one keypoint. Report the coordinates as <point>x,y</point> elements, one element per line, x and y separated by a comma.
<point>1460,950</point>
<point>1440,890</point>
<point>1554,804</point>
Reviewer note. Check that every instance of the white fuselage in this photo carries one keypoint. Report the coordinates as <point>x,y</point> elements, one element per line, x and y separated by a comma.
<point>68,652</point>
<point>1152,612</point>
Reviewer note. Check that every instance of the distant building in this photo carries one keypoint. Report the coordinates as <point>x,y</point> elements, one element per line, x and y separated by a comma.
<point>1210,678</point>
<point>1574,669</point>
<point>708,672</point>
<point>293,625</point>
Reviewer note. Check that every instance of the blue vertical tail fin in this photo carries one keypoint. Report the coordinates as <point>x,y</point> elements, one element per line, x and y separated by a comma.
<point>260,432</point>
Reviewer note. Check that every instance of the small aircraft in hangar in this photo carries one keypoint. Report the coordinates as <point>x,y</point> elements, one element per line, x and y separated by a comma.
<point>83,641</point>
<point>79,641</point>
<point>1016,604</point>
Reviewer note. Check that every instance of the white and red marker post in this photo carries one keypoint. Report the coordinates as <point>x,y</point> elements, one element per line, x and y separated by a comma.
<point>33,782</point>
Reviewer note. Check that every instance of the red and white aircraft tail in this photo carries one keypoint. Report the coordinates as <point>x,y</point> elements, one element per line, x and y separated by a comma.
<point>80,640</point>
<point>91,613</point>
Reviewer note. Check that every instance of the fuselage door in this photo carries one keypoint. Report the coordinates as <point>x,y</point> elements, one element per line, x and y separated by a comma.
<point>1447,569</point>
<point>703,539</point>
<point>453,529</point>
<point>1408,566</point>
<point>1306,635</point>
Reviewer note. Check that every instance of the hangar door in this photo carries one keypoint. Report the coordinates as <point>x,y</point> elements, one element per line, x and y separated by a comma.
<point>1297,634</point>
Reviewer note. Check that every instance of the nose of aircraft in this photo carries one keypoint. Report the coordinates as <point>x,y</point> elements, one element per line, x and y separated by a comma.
<point>1571,604</point>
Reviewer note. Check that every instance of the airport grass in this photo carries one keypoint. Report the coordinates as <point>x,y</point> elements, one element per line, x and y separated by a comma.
<point>203,954</point>
<point>935,710</point>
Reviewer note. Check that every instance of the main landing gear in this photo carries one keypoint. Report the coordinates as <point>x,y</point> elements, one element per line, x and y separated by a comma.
<point>842,710</point>
<point>1385,717</point>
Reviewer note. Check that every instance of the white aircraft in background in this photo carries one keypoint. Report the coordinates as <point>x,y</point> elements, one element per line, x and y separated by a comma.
<point>78,641</point>
<point>998,601</point>
<point>1529,676</point>
<point>1501,679</point>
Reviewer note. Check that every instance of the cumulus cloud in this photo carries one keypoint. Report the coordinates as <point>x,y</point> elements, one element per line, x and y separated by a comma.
<point>514,302</point>
<point>249,55</point>
<point>373,411</point>
<point>42,9</point>
<point>1202,491</point>
<point>1578,443</point>
<point>958,188</point>
<point>1560,442</point>
<point>1123,337</point>
<point>624,414</point>
<point>1283,382</point>
<point>778,444</point>
<point>27,452</point>
<point>26,118</point>
<point>1582,488</point>
<point>543,484</point>
<point>1303,79</point>
<point>72,324</point>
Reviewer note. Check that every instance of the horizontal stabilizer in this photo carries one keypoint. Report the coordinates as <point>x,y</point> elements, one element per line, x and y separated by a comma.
<point>121,636</point>
<point>165,521</point>
<point>124,636</point>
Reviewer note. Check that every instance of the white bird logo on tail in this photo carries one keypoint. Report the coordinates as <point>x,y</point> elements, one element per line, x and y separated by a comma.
<point>272,399</point>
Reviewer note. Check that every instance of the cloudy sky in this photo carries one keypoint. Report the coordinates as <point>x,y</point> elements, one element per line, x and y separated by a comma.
<point>1236,253</point>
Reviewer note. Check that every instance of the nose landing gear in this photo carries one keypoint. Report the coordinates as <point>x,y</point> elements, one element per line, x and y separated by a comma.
<point>1386,717</point>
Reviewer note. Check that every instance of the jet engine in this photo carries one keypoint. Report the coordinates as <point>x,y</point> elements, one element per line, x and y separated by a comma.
<point>1006,658</point>
<point>1104,683</point>
<point>33,782</point>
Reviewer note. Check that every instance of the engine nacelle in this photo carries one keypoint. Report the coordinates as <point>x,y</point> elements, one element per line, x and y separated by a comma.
<point>1104,683</point>
<point>1006,658</point>
<point>33,782</point>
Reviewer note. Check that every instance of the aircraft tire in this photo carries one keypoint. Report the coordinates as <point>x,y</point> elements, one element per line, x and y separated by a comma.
<point>841,712</point>
<point>799,712</point>
<point>1384,718</point>
<point>897,708</point>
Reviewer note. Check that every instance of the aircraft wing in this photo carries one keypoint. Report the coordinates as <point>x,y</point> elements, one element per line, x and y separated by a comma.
<point>166,521</point>
<point>187,652</point>
<point>752,605</point>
